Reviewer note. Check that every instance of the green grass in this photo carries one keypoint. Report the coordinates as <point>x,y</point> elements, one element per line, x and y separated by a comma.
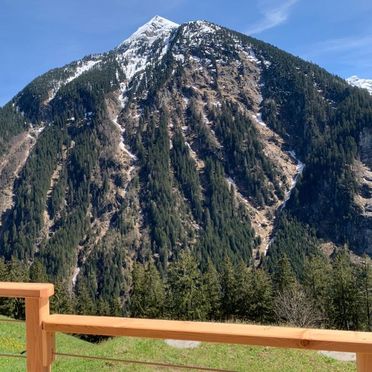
<point>232,357</point>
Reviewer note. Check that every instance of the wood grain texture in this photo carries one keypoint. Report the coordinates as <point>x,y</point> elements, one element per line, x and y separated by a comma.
<point>364,362</point>
<point>39,343</point>
<point>23,290</point>
<point>301,338</point>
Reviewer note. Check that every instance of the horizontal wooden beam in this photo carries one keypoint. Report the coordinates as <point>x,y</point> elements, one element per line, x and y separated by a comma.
<point>29,290</point>
<point>301,338</point>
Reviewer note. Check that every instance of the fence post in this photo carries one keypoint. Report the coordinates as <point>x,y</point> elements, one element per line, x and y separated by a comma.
<point>364,362</point>
<point>39,343</point>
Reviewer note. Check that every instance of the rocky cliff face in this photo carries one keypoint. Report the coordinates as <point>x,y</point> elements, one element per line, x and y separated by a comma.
<point>183,137</point>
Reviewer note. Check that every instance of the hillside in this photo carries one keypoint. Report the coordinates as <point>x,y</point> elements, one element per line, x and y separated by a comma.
<point>185,138</point>
<point>232,357</point>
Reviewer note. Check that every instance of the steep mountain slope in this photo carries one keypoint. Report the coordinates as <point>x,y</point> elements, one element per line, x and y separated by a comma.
<point>183,137</point>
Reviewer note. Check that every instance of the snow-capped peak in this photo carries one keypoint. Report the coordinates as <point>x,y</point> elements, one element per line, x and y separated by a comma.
<point>152,30</point>
<point>360,83</point>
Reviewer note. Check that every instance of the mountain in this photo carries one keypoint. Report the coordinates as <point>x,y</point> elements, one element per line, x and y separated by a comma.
<point>183,137</point>
<point>360,83</point>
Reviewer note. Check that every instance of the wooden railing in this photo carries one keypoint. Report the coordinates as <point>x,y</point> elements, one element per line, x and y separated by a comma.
<point>41,327</point>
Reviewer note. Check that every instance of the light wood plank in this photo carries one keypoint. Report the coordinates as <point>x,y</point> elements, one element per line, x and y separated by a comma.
<point>302,338</point>
<point>23,290</point>
<point>39,343</point>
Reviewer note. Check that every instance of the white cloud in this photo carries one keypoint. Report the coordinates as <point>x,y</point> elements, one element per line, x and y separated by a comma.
<point>274,13</point>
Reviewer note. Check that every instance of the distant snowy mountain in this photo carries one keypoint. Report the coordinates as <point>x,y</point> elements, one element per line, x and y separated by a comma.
<point>360,83</point>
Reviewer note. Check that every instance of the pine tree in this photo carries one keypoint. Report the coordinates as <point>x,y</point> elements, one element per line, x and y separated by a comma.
<point>63,302</point>
<point>38,273</point>
<point>138,294</point>
<point>17,272</point>
<point>244,291</point>
<point>284,277</point>
<point>186,298</point>
<point>155,297</point>
<point>365,280</point>
<point>317,272</point>
<point>212,288</point>
<point>229,289</point>
<point>85,303</point>
<point>261,309</point>
<point>344,294</point>
<point>148,296</point>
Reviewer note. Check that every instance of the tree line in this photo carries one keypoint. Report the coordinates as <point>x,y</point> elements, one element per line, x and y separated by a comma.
<point>333,292</point>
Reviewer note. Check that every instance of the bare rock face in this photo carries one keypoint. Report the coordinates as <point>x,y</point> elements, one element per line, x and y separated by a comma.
<point>362,233</point>
<point>11,164</point>
<point>185,136</point>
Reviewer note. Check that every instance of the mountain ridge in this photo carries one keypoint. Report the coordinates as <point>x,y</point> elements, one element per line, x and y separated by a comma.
<point>183,137</point>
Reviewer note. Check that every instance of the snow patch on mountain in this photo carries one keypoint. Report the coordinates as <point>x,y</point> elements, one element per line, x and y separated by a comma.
<point>151,31</point>
<point>356,81</point>
<point>299,170</point>
<point>82,66</point>
<point>143,48</point>
<point>258,118</point>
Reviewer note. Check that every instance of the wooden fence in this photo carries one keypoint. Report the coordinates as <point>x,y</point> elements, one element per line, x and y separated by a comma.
<point>41,327</point>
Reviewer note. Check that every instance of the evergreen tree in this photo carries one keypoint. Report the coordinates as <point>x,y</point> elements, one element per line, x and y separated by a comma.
<point>137,299</point>
<point>38,273</point>
<point>185,295</point>
<point>229,289</point>
<point>344,294</point>
<point>284,277</point>
<point>261,309</point>
<point>14,271</point>
<point>148,296</point>
<point>85,304</point>
<point>365,278</point>
<point>243,291</point>
<point>62,302</point>
<point>317,274</point>
<point>212,288</point>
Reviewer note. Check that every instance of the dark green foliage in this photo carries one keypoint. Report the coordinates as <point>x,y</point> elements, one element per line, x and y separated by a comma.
<point>229,288</point>
<point>186,174</point>
<point>26,219</point>
<point>253,300</point>
<point>158,197</point>
<point>317,271</point>
<point>294,240</point>
<point>186,297</point>
<point>85,305</point>
<point>261,306</point>
<point>322,117</point>
<point>212,286</point>
<point>38,273</point>
<point>191,222</point>
<point>244,158</point>
<point>283,277</point>
<point>13,271</point>
<point>345,295</point>
<point>62,302</point>
<point>227,224</point>
<point>11,124</point>
<point>148,293</point>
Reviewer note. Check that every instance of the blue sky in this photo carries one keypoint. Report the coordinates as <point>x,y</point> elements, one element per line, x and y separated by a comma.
<point>37,35</point>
